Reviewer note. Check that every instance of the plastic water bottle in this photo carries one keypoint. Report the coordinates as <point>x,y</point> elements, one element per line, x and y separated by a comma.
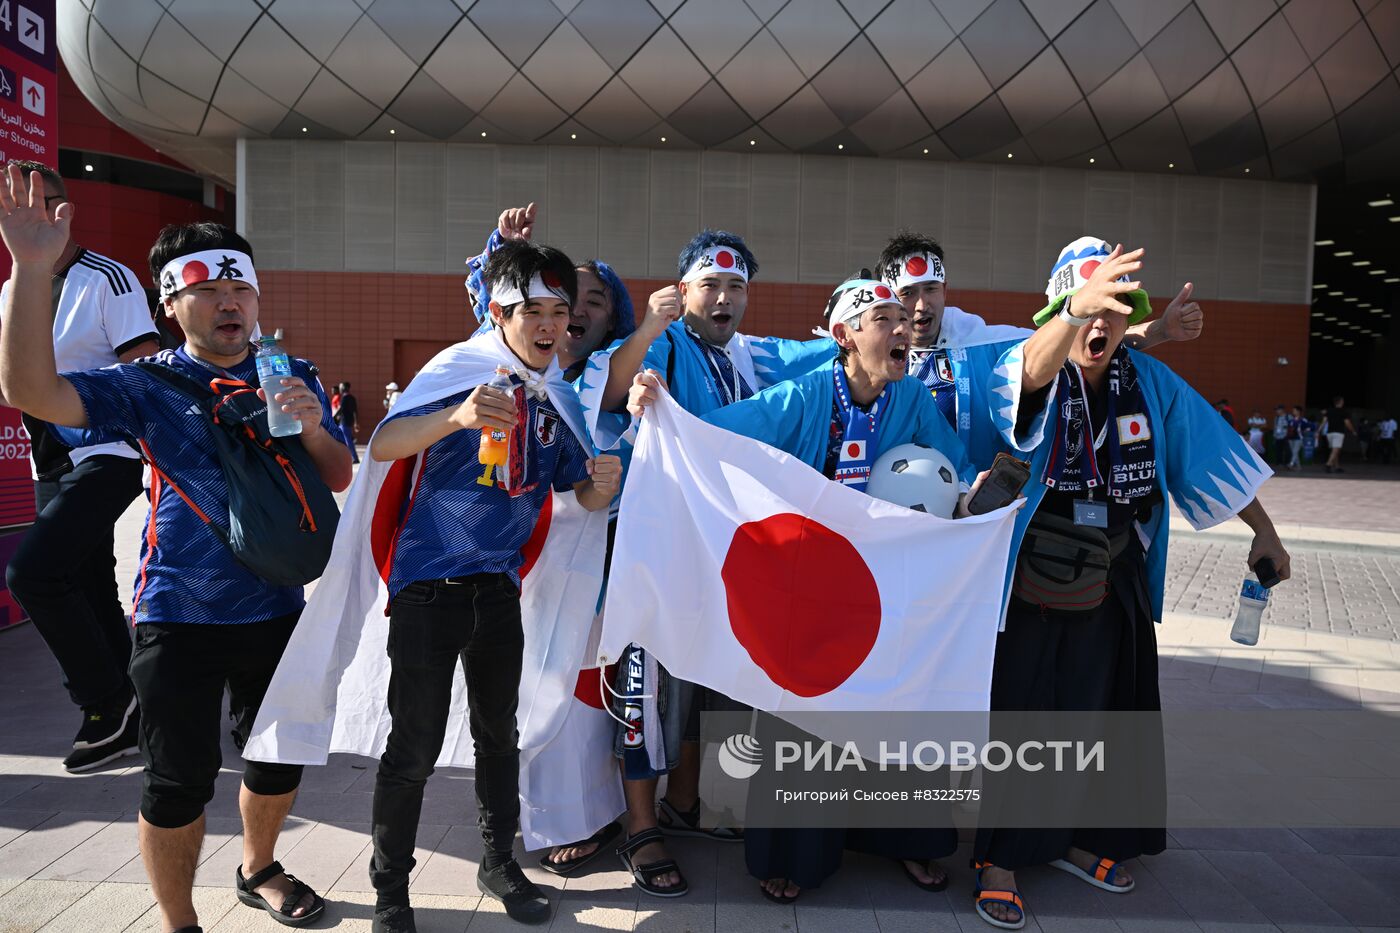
<point>494,451</point>
<point>1254,598</point>
<point>273,364</point>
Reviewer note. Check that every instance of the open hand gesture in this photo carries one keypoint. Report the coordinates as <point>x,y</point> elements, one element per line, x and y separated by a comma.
<point>24,221</point>
<point>517,223</point>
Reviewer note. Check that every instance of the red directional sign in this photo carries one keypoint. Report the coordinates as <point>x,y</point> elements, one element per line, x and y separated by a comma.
<point>28,82</point>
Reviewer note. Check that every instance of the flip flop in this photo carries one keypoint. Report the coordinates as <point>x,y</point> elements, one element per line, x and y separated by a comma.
<point>926,885</point>
<point>599,839</point>
<point>1101,877</point>
<point>984,897</point>
<point>779,898</point>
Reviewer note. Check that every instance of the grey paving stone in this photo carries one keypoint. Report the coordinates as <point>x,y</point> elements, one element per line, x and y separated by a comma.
<point>108,906</point>
<point>30,905</point>
<point>1273,890</point>
<point>1202,891</point>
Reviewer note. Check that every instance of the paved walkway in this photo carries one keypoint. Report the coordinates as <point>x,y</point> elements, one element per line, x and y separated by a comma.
<point>68,859</point>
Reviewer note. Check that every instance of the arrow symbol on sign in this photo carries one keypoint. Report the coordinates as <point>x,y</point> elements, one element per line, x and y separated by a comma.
<point>31,30</point>
<point>34,96</point>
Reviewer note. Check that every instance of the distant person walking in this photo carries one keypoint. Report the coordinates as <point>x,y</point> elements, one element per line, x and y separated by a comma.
<point>1281,448</point>
<point>1226,412</point>
<point>347,416</point>
<point>1336,424</point>
<point>1385,438</point>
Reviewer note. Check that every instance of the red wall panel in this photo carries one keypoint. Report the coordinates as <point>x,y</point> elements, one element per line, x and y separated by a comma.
<point>349,323</point>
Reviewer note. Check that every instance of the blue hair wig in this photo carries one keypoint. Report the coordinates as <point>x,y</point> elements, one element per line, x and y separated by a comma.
<point>706,239</point>
<point>624,318</point>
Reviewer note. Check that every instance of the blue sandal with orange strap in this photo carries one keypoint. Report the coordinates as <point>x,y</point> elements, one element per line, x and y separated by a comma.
<point>985,897</point>
<point>1101,877</point>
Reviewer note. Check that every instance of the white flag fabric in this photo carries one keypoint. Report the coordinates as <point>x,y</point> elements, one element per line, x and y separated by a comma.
<point>791,593</point>
<point>330,690</point>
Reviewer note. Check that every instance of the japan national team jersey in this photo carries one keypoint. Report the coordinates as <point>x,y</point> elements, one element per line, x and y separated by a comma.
<point>454,525</point>
<point>186,573</point>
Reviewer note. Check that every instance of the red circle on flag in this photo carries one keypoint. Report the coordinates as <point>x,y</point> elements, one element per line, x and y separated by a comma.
<point>1134,428</point>
<point>808,639</point>
<point>1088,268</point>
<point>853,450</point>
<point>548,277</point>
<point>883,292</point>
<point>391,509</point>
<point>724,259</point>
<point>194,272</point>
<point>916,265</point>
<point>588,689</point>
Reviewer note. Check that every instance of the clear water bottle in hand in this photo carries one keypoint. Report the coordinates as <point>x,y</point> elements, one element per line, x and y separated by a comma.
<point>1254,599</point>
<point>273,364</point>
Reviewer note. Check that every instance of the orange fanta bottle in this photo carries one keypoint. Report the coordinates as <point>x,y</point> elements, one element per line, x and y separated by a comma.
<point>495,444</point>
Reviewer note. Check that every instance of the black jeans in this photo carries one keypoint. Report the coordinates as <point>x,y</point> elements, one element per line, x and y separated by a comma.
<point>180,671</point>
<point>433,624</point>
<point>63,574</point>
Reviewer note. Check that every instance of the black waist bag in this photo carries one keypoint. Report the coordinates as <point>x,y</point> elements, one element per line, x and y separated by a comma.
<point>281,515</point>
<point>1064,566</point>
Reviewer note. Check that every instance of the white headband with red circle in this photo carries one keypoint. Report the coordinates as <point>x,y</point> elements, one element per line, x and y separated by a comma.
<point>543,284</point>
<point>717,260</point>
<point>914,268</point>
<point>208,265</point>
<point>855,297</point>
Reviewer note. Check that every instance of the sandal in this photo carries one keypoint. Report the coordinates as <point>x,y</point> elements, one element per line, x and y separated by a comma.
<point>780,898</point>
<point>1101,877</point>
<point>1005,898</point>
<point>599,839</point>
<point>926,885</point>
<point>246,889</point>
<point>645,875</point>
<point>675,822</point>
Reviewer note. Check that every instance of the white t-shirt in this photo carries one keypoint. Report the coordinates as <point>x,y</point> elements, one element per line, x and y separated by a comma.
<point>102,312</point>
<point>1387,429</point>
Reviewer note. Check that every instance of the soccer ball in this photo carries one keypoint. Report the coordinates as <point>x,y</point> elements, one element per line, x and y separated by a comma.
<point>916,477</point>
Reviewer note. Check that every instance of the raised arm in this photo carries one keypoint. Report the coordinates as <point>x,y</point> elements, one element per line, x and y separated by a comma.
<point>1047,349</point>
<point>1182,320</point>
<point>29,377</point>
<point>663,307</point>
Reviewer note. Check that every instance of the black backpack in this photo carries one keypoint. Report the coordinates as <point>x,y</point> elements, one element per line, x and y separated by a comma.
<point>281,515</point>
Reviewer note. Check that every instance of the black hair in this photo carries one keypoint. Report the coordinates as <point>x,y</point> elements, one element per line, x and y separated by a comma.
<point>905,243</point>
<point>706,239</point>
<point>52,179</point>
<point>175,240</point>
<point>517,262</point>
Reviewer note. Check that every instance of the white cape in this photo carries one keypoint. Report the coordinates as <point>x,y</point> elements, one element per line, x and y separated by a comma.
<point>329,692</point>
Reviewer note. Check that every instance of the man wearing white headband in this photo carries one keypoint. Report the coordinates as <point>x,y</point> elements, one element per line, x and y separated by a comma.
<point>453,573</point>
<point>954,351</point>
<point>202,619</point>
<point>690,334</point>
<point>838,419</point>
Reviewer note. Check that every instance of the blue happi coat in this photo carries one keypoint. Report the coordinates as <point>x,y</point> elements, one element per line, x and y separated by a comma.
<point>795,417</point>
<point>1206,468</point>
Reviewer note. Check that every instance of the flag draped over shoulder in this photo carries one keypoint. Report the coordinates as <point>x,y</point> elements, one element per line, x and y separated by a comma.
<point>791,593</point>
<point>330,690</point>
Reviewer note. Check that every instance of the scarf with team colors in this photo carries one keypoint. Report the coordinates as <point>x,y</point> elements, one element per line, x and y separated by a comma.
<point>1132,456</point>
<point>858,434</point>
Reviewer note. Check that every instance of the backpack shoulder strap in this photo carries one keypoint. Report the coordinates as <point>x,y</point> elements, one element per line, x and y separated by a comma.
<point>175,379</point>
<point>670,361</point>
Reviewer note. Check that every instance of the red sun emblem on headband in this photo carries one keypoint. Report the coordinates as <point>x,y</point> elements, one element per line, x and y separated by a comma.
<point>916,265</point>
<point>194,271</point>
<point>548,277</point>
<point>883,293</point>
<point>1088,268</point>
<point>724,259</point>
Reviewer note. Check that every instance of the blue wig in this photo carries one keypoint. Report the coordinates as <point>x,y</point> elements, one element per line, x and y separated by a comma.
<point>708,238</point>
<point>624,318</point>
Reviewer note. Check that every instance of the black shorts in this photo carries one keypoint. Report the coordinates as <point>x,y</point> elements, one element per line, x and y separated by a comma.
<point>180,671</point>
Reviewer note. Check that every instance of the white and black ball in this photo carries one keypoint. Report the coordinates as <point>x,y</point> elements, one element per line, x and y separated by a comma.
<point>916,477</point>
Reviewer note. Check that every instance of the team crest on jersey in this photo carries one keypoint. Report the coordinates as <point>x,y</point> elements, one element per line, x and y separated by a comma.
<point>945,367</point>
<point>546,427</point>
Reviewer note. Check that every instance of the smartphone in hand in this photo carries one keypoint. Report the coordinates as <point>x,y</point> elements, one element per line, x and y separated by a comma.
<point>1003,484</point>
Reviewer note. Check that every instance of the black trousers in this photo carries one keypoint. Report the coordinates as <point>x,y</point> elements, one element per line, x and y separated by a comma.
<point>432,625</point>
<point>64,574</point>
<point>180,671</point>
<point>1105,659</point>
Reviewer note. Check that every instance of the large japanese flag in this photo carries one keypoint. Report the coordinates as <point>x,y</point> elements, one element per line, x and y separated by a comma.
<point>743,569</point>
<point>330,691</point>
